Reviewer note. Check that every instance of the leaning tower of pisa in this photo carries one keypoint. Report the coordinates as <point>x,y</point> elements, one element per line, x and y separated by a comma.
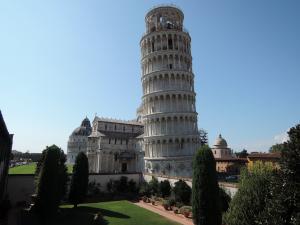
<point>169,114</point>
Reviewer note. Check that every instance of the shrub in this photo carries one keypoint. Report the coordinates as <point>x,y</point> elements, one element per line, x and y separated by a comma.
<point>175,210</point>
<point>144,198</point>
<point>123,184</point>
<point>93,188</point>
<point>165,188</point>
<point>132,186</point>
<point>186,210</point>
<point>154,186</point>
<point>109,186</point>
<point>172,202</point>
<point>182,192</point>
<point>179,204</point>
<point>166,204</point>
<point>145,189</point>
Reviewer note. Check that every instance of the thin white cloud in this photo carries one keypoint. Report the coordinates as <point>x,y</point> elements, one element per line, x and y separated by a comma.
<point>280,138</point>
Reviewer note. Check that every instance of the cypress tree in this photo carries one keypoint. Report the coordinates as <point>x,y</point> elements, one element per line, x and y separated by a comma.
<point>80,179</point>
<point>205,192</point>
<point>50,182</point>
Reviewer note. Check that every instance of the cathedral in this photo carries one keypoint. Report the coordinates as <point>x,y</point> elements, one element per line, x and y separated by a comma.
<point>164,137</point>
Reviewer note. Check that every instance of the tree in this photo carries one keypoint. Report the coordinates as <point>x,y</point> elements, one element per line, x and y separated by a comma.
<point>242,154</point>
<point>203,137</point>
<point>250,200</point>
<point>283,204</point>
<point>39,166</point>
<point>182,192</point>
<point>154,186</point>
<point>205,201</point>
<point>276,148</point>
<point>224,200</point>
<point>80,179</point>
<point>51,182</point>
<point>165,188</point>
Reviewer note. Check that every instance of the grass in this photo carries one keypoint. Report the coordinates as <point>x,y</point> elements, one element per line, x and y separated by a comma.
<point>114,213</point>
<point>30,168</point>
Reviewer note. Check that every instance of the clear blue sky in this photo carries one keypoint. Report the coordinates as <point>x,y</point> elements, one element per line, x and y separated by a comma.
<point>63,60</point>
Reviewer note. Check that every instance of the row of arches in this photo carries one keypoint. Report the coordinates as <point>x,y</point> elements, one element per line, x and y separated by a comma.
<point>171,126</point>
<point>168,82</point>
<point>171,148</point>
<point>169,103</point>
<point>166,41</point>
<point>166,62</point>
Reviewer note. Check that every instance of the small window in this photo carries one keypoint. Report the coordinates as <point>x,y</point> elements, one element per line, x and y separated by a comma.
<point>121,141</point>
<point>170,66</point>
<point>115,140</point>
<point>126,141</point>
<point>124,128</point>
<point>115,127</point>
<point>109,141</point>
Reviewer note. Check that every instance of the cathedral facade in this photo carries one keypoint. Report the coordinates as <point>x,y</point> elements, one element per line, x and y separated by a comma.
<point>164,137</point>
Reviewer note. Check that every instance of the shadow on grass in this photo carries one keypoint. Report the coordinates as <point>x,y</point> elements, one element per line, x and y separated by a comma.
<point>82,215</point>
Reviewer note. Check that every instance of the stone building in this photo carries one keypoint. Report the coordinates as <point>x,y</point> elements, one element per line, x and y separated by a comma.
<point>169,115</point>
<point>269,158</point>
<point>220,148</point>
<point>226,161</point>
<point>115,146</point>
<point>78,140</point>
<point>6,140</point>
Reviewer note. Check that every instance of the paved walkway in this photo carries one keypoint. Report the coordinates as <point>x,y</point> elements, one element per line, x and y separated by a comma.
<point>168,214</point>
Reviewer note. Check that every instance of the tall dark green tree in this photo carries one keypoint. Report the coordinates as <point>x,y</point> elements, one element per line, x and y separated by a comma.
<point>205,192</point>
<point>283,202</point>
<point>39,166</point>
<point>80,179</point>
<point>51,182</point>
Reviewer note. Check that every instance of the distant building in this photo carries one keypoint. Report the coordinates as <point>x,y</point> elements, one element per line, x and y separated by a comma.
<point>271,158</point>
<point>226,161</point>
<point>78,140</point>
<point>5,151</point>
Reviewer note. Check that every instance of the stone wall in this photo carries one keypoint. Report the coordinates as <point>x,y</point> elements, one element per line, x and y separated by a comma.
<point>230,188</point>
<point>20,187</point>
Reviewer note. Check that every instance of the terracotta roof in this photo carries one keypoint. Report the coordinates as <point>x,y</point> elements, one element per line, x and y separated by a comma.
<point>231,160</point>
<point>275,155</point>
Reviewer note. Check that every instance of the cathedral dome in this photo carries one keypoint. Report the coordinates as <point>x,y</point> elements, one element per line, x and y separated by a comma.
<point>220,142</point>
<point>85,129</point>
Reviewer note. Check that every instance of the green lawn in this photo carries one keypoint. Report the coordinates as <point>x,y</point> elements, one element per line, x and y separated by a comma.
<point>30,168</point>
<point>114,213</point>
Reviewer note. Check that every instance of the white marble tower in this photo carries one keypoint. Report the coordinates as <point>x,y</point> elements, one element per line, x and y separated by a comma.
<point>169,115</point>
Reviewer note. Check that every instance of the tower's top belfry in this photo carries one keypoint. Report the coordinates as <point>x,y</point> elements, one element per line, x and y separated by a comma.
<point>166,17</point>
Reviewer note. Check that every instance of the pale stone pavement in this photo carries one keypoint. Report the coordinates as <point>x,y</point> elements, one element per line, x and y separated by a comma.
<point>167,214</point>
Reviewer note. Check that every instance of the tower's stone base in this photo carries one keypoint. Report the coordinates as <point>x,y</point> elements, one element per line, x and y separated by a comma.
<point>172,166</point>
